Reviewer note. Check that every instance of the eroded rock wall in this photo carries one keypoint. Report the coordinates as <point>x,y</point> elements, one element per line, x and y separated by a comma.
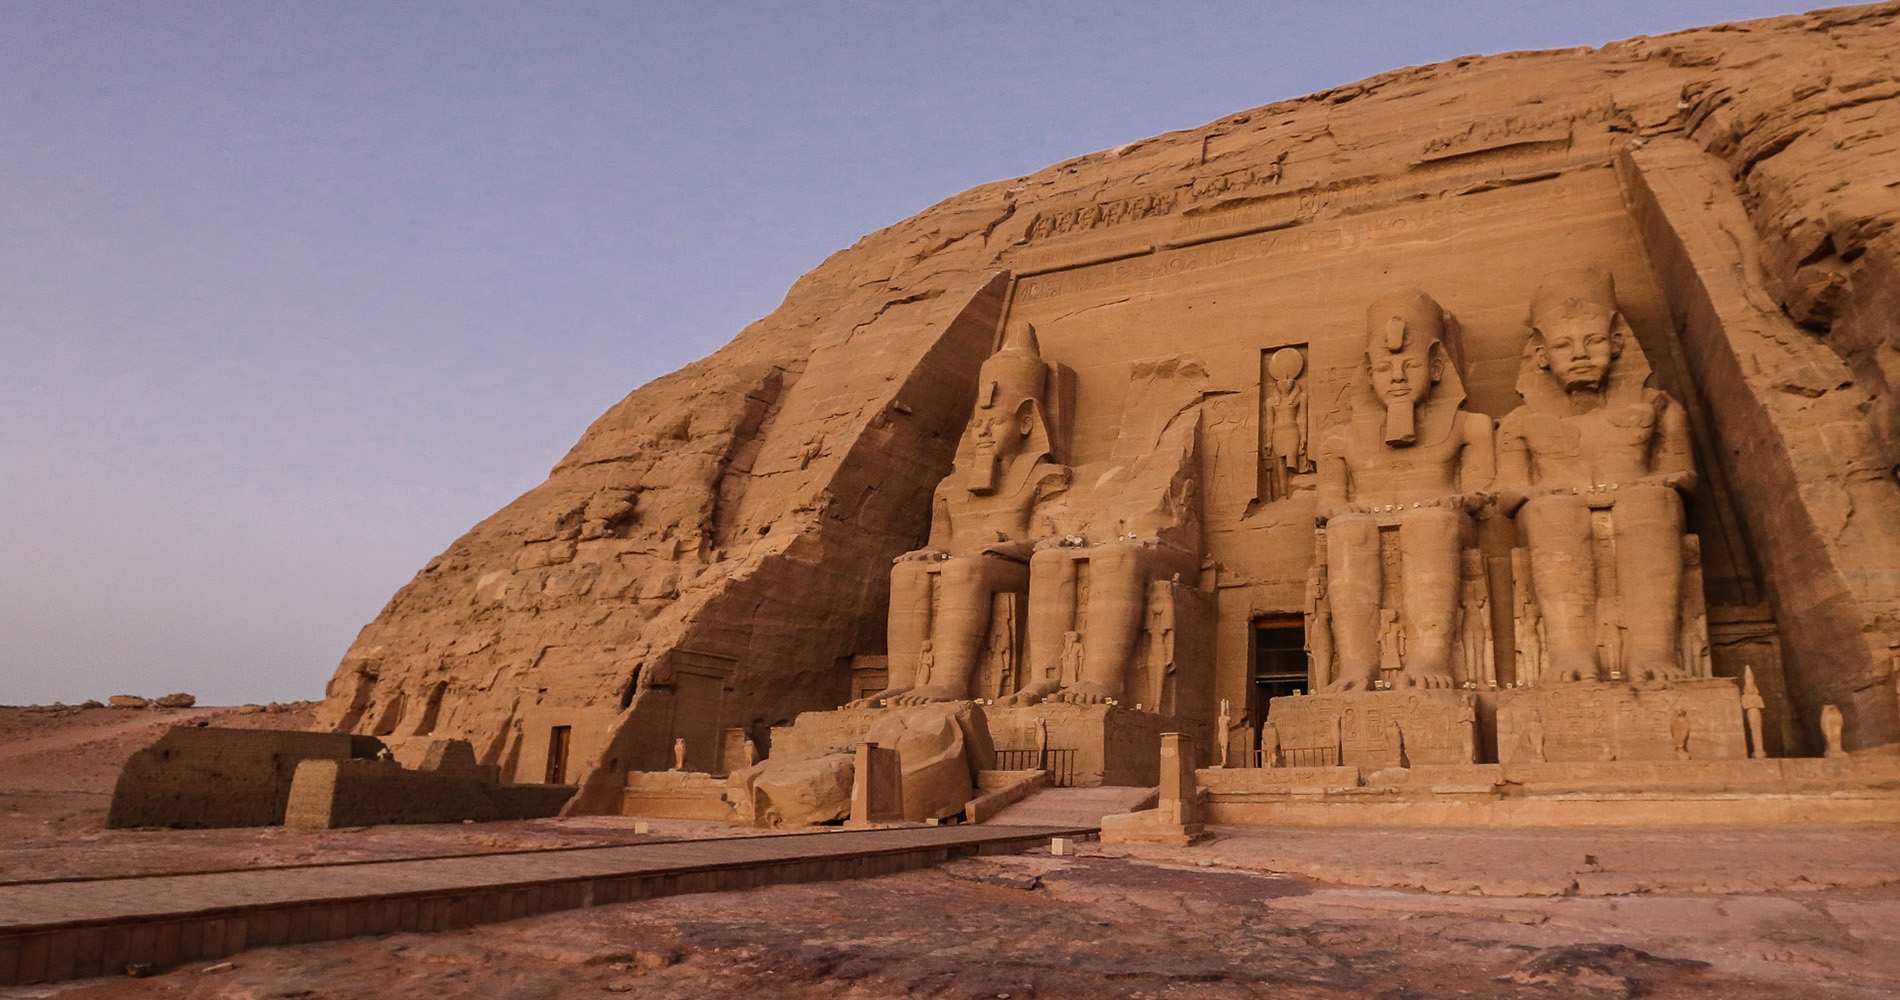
<point>717,545</point>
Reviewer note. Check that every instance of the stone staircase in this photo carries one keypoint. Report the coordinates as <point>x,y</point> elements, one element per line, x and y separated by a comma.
<point>1074,806</point>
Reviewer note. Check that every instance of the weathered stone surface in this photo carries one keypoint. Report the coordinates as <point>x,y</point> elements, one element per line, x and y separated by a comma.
<point>199,777</point>
<point>794,789</point>
<point>1688,720</point>
<point>716,551</point>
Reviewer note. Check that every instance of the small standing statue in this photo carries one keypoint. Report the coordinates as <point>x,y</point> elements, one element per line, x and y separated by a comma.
<point>679,755</point>
<point>1270,745</point>
<point>926,662</point>
<point>1391,646</point>
<point>1223,731</point>
<point>1752,704</point>
<point>1072,654</point>
<point>1286,440</point>
<point>1468,730</point>
<point>1831,725</point>
<point>751,753</point>
<point>1319,630</point>
<point>1679,734</point>
<point>1534,731</point>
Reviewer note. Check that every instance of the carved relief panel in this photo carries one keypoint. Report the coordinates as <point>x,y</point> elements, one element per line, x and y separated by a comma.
<point>1284,419</point>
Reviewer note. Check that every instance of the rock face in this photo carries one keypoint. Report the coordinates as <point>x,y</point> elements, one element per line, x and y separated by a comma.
<point>716,551</point>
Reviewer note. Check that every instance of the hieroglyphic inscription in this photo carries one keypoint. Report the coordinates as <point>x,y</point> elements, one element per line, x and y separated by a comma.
<point>1481,134</point>
<point>1495,140</point>
<point>1293,241</point>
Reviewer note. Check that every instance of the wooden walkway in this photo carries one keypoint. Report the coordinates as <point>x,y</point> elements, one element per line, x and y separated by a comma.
<point>65,930</point>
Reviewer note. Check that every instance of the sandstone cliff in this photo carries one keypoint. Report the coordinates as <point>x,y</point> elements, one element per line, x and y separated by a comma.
<point>715,548</point>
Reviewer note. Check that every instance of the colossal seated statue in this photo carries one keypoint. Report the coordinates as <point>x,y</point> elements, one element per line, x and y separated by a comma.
<point>1131,522</point>
<point>1595,465</point>
<point>1016,550</point>
<point>1404,473</point>
<point>981,533</point>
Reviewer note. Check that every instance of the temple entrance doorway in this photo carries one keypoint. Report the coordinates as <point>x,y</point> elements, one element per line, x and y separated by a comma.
<point>1279,662</point>
<point>558,739</point>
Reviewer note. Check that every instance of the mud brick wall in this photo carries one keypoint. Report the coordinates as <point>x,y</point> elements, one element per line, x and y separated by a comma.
<point>206,777</point>
<point>328,794</point>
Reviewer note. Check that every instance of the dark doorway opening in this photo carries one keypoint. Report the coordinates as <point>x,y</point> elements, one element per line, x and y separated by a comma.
<point>557,754</point>
<point>1279,661</point>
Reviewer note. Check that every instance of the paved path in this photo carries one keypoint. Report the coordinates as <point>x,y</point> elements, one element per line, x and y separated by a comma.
<point>69,929</point>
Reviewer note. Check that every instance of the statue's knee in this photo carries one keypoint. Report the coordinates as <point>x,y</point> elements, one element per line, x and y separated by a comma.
<point>1554,516</point>
<point>907,575</point>
<point>1433,523</point>
<point>1115,559</point>
<point>1353,528</point>
<point>1648,503</point>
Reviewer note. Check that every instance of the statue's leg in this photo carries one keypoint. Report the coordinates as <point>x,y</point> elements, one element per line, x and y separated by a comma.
<point>962,623</point>
<point>1431,542</point>
<point>906,628</point>
<point>1051,613</point>
<point>1649,526</point>
<point>1355,579</point>
<point>1564,577</point>
<point>1118,598</point>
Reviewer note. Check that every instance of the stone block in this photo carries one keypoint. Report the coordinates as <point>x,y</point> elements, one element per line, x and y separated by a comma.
<point>1357,728</point>
<point>1598,722</point>
<point>211,777</point>
<point>675,795</point>
<point>877,786</point>
<point>1176,819</point>
<point>1105,744</point>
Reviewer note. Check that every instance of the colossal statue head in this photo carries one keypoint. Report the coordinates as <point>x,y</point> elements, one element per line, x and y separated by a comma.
<point>1405,358</point>
<point>1577,331</point>
<point>1008,420</point>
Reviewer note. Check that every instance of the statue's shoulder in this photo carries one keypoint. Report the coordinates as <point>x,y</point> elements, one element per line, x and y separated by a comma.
<point>1528,422</point>
<point>1336,440</point>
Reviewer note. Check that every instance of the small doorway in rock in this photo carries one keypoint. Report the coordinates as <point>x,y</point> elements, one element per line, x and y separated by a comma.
<point>557,754</point>
<point>1279,661</point>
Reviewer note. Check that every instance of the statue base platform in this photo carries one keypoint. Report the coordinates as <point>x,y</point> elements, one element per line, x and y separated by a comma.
<point>1087,745</point>
<point>1354,729</point>
<point>1608,721</point>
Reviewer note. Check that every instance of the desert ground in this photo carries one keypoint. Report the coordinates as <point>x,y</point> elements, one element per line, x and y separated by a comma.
<point>1251,912</point>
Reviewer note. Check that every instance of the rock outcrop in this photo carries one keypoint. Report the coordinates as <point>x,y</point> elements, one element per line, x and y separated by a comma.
<point>716,548</point>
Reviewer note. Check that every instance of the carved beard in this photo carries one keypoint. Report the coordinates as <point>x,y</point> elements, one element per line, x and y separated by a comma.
<point>1401,421</point>
<point>983,468</point>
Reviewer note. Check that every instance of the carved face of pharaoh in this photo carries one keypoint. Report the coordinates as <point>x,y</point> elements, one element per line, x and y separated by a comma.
<point>1402,362</point>
<point>997,435</point>
<point>1578,342</point>
<point>1403,377</point>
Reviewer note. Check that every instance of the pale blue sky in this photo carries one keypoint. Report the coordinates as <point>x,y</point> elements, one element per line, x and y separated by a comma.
<point>293,294</point>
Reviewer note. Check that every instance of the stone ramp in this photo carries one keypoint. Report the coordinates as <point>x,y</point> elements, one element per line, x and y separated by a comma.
<point>1074,807</point>
<point>73,929</point>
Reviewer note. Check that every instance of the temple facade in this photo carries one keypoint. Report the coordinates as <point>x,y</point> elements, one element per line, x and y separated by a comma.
<point>1501,435</point>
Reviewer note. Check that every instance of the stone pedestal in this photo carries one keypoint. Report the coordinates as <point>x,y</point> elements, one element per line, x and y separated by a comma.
<point>1176,819</point>
<point>877,787</point>
<point>1356,729</point>
<point>1095,744</point>
<point>1599,721</point>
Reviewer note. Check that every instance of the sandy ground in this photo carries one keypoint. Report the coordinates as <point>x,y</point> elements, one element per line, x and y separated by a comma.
<point>1283,913</point>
